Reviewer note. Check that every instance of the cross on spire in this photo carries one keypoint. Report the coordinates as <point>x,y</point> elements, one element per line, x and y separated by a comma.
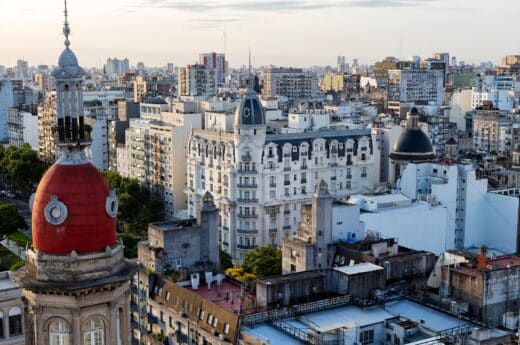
<point>66,27</point>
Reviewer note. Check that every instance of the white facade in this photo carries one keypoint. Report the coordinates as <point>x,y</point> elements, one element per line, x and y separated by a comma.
<point>259,181</point>
<point>449,209</point>
<point>98,151</point>
<point>122,161</point>
<point>500,90</point>
<point>416,85</point>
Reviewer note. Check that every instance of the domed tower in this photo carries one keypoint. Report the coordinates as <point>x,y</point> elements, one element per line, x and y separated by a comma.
<point>412,146</point>
<point>76,279</point>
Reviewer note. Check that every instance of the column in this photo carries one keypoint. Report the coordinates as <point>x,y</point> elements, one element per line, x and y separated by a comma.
<point>76,327</point>
<point>6,323</point>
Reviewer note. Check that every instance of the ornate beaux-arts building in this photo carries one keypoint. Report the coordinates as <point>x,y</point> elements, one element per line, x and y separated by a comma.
<point>259,179</point>
<point>76,281</point>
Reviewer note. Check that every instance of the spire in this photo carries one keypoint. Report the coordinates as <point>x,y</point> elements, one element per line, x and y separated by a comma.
<point>66,27</point>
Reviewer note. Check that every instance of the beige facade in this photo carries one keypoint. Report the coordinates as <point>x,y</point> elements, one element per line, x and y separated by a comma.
<point>46,134</point>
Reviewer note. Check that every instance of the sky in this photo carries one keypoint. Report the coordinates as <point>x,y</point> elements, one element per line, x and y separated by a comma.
<point>280,32</point>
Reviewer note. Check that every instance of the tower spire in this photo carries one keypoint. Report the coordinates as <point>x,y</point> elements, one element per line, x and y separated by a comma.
<point>66,27</point>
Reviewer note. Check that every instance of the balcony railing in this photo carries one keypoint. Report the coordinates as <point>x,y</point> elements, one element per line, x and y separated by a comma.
<point>247,246</point>
<point>247,185</point>
<point>247,231</point>
<point>247,171</point>
<point>248,200</point>
<point>247,215</point>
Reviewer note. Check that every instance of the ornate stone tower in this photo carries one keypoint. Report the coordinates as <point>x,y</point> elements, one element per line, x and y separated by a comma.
<point>76,280</point>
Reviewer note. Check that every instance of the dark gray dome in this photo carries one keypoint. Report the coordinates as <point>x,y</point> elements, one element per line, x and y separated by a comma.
<point>250,112</point>
<point>413,144</point>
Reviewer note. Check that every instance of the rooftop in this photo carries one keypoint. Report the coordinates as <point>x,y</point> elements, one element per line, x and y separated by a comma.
<point>433,319</point>
<point>271,335</point>
<point>500,263</point>
<point>227,296</point>
<point>359,268</point>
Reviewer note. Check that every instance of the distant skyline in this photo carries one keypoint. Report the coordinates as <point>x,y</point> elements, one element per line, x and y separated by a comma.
<point>280,32</point>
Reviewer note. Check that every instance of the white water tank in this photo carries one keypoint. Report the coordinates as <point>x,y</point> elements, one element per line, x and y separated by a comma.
<point>209,278</point>
<point>195,281</point>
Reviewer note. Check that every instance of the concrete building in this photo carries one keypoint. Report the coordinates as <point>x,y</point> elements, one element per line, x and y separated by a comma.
<point>23,127</point>
<point>6,102</point>
<point>197,80</point>
<point>497,89</point>
<point>46,134</point>
<point>293,83</point>
<point>140,89</point>
<point>489,286</point>
<point>11,311</point>
<point>416,85</point>
<point>218,62</point>
<point>178,244</point>
<point>491,131</point>
<point>259,180</point>
<point>115,66</point>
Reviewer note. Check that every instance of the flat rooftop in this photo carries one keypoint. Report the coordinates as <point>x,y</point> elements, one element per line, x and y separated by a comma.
<point>271,335</point>
<point>359,268</point>
<point>229,296</point>
<point>175,224</point>
<point>6,283</point>
<point>433,319</point>
<point>327,320</point>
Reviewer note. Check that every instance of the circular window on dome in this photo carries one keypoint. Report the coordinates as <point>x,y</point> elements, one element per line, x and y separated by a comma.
<point>55,212</point>
<point>247,112</point>
<point>112,204</point>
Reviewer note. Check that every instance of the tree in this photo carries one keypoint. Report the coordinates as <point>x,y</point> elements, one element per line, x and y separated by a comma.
<point>264,261</point>
<point>21,167</point>
<point>11,220</point>
<point>136,206</point>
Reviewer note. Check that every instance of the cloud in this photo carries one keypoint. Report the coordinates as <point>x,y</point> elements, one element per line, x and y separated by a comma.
<point>211,23</point>
<point>276,5</point>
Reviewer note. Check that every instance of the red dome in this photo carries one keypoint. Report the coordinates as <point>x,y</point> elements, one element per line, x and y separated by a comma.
<point>81,193</point>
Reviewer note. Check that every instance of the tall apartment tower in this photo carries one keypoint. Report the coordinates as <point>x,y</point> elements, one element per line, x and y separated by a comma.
<point>218,62</point>
<point>76,281</point>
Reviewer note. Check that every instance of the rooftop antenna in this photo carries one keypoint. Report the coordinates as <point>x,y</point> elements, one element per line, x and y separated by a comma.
<point>66,27</point>
<point>249,60</point>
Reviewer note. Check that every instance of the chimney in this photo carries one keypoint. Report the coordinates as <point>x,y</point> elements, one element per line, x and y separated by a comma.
<point>482,259</point>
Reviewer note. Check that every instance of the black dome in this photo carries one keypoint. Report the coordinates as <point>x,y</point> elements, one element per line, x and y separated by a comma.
<point>412,144</point>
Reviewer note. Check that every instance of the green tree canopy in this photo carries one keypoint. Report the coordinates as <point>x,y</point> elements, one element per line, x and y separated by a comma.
<point>11,221</point>
<point>21,167</point>
<point>136,206</point>
<point>264,261</point>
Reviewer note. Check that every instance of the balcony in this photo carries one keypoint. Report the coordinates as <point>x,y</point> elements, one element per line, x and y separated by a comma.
<point>286,183</point>
<point>247,201</point>
<point>349,176</point>
<point>247,215</point>
<point>247,171</point>
<point>350,163</point>
<point>272,184</point>
<point>247,246</point>
<point>286,168</point>
<point>303,180</point>
<point>303,167</point>
<point>247,185</point>
<point>287,227</point>
<point>247,231</point>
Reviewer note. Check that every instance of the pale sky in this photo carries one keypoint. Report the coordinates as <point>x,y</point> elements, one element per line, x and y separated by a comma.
<point>280,32</point>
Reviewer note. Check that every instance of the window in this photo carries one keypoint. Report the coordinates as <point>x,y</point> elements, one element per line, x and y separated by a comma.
<point>15,321</point>
<point>60,332</point>
<point>367,337</point>
<point>93,332</point>
<point>226,328</point>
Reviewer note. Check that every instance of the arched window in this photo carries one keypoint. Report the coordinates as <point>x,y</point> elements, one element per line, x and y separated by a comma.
<point>93,332</point>
<point>60,332</point>
<point>15,321</point>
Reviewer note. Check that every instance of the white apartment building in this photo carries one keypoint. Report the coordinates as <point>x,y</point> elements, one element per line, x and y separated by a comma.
<point>259,180</point>
<point>23,128</point>
<point>6,102</point>
<point>500,90</point>
<point>156,151</point>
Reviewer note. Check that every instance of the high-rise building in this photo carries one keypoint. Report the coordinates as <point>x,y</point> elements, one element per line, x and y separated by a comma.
<point>196,80</point>
<point>218,62</point>
<point>416,85</point>
<point>140,89</point>
<point>46,133</point>
<point>341,66</point>
<point>293,83</point>
<point>115,66</point>
<point>76,280</point>
<point>6,102</point>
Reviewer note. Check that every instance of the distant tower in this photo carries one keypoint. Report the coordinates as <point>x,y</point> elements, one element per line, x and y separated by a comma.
<point>76,280</point>
<point>452,149</point>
